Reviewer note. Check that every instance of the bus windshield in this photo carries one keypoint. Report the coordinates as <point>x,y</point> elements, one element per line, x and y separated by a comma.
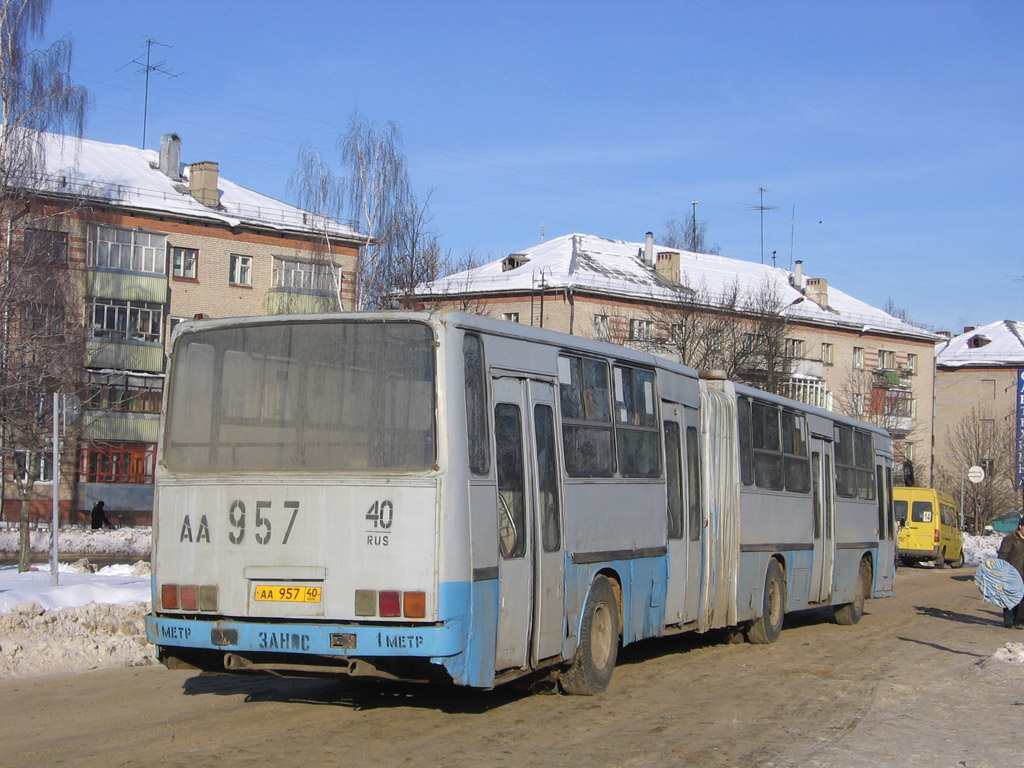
<point>343,395</point>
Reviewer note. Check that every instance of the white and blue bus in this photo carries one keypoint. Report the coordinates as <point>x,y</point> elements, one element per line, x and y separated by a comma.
<point>441,496</point>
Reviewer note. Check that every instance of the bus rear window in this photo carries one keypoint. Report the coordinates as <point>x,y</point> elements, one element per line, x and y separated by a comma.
<point>317,396</point>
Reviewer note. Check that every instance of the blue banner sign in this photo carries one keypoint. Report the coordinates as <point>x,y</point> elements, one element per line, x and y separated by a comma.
<point>1020,427</point>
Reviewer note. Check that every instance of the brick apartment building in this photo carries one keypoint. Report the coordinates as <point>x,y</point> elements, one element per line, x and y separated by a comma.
<point>150,242</point>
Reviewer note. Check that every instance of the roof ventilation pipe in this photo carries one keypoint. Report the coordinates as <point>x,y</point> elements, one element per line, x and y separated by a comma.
<point>649,249</point>
<point>170,156</point>
<point>798,275</point>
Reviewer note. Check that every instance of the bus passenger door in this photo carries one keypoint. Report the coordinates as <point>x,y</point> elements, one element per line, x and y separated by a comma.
<point>886,567</point>
<point>675,495</point>
<point>824,519</point>
<point>549,569</point>
<point>530,561</point>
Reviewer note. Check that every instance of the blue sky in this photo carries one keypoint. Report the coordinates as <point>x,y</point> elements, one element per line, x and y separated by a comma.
<point>889,135</point>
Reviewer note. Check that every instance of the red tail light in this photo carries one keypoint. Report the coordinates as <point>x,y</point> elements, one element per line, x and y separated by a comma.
<point>390,603</point>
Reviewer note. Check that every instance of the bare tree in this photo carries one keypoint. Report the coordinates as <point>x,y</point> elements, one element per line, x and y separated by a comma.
<point>41,344</point>
<point>373,187</point>
<point>983,439</point>
<point>741,333</point>
<point>689,235</point>
<point>900,313</point>
<point>463,271</point>
<point>316,189</point>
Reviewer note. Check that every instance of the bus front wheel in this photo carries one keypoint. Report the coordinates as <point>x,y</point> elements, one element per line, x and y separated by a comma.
<point>768,626</point>
<point>591,668</point>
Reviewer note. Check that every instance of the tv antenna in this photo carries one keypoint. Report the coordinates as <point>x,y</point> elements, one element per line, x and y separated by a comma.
<point>150,66</point>
<point>762,208</point>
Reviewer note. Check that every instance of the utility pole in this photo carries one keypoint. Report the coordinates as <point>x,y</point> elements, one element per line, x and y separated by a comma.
<point>693,237</point>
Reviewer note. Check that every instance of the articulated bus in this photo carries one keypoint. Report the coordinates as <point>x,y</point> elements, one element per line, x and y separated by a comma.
<point>436,496</point>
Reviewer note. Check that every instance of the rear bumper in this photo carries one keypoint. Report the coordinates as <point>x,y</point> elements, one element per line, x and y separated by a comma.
<point>919,554</point>
<point>321,639</point>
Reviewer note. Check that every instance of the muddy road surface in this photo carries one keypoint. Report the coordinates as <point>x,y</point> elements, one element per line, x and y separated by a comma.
<point>912,684</point>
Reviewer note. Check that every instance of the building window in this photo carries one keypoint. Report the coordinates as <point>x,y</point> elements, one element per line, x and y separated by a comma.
<point>858,357</point>
<point>134,320</point>
<point>130,250</point>
<point>886,360</point>
<point>44,246</point>
<point>295,275</point>
<point>794,348</point>
<point>241,270</point>
<point>827,353</point>
<point>510,317</point>
<point>116,463</point>
<point>185,263</point>
<point>641,330</point>
<point>988,389</point>
<point>911,362</point>
<point>40,463</point>
<point>715,340</point>
<point>123,392</point>
<point>601,327</point>
<point>896,403</point>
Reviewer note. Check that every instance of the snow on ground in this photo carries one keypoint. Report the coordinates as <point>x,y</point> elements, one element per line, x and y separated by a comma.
<point>94,617</point>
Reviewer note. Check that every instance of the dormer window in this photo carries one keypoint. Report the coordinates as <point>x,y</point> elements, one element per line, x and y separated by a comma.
<point>978,341</point>
<point>513,261</point>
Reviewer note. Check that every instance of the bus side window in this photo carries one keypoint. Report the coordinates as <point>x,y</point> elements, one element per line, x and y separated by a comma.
<point>476,405</point>
<point>674,477</point>
<point>547,472</point>
<point>509,463</point>
<point>693,499</point>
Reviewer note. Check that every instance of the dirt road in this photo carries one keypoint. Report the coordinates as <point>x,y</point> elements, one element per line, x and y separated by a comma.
<point>911,684</point>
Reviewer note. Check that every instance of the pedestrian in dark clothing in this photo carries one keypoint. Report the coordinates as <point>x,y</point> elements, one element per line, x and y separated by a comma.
<point>99,517</point>
<point>1012,551</point>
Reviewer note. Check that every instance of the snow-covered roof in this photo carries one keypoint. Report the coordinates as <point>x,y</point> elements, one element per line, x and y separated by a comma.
<point>1000,343</point>
<point>128,176</point>
<point>587,262</point>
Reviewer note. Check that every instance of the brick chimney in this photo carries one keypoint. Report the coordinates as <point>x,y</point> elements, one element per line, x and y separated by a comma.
<point>817,290</point>
<point>667,265</point>
<point>202,183</point>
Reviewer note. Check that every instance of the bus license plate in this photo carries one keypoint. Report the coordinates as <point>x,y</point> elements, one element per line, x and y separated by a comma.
<point>282,594</point>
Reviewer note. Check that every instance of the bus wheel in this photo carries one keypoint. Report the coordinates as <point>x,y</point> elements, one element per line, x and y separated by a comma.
<point>767,627</point>
<point>850,613</point>
<point>591,668</point>
<point>959,562</point>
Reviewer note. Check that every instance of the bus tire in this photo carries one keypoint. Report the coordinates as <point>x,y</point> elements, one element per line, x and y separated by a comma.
<point>767,627</point>
<point>850,613</point>
<point>959,562</point>
<point>591,668</point>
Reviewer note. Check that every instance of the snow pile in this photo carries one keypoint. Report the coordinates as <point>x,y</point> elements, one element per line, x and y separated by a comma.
<point>92,618</point>
<point>130,542</point>
<point>35,641</point>
<point>978,549</point>
<point>1012,652</point>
